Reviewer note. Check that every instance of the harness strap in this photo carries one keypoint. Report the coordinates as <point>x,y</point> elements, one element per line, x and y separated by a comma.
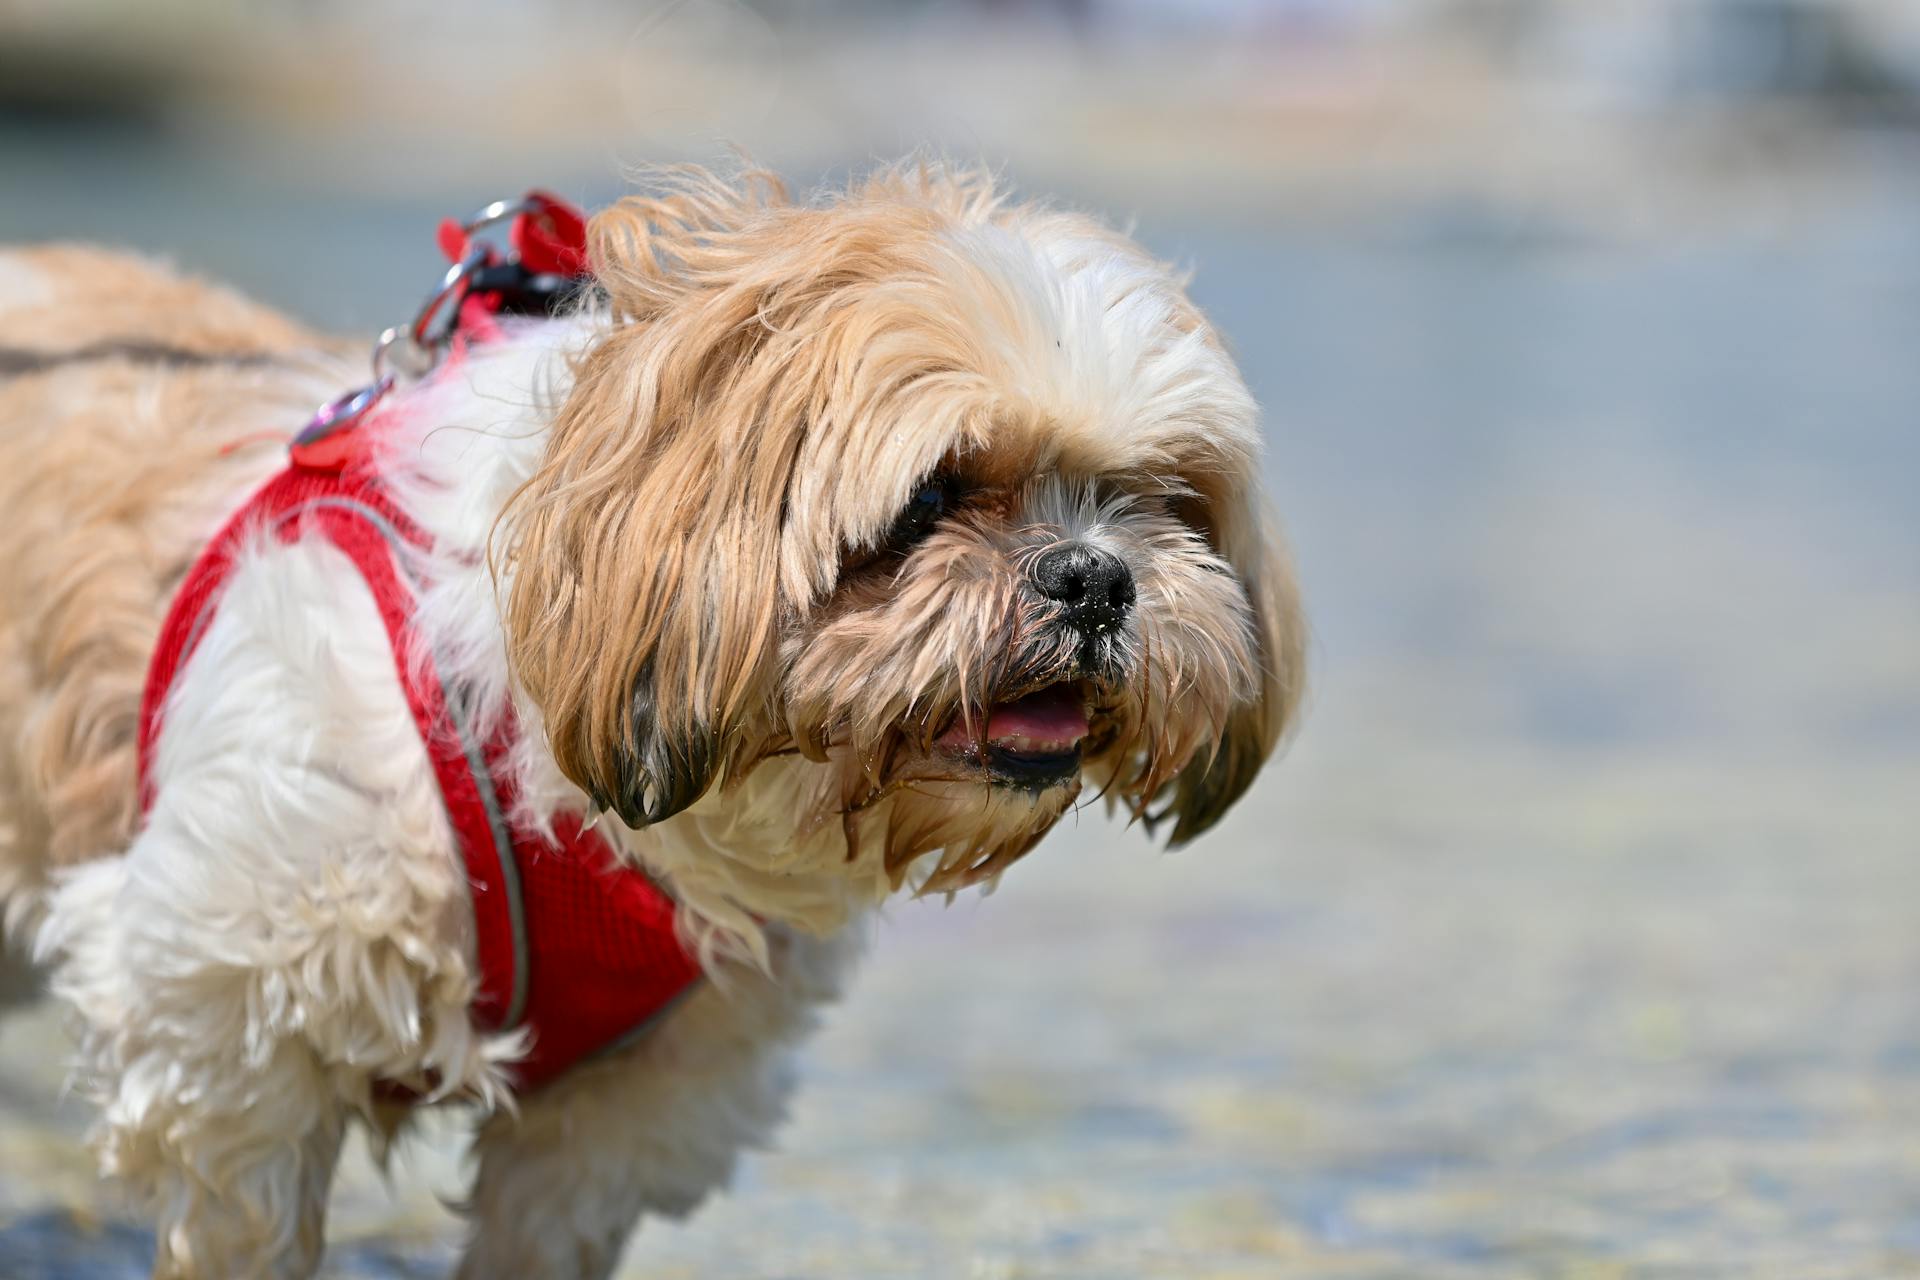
<point>352,512</point>
<point>572,944</point>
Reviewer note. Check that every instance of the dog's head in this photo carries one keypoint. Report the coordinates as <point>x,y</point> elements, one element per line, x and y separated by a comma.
<point>957,501</point>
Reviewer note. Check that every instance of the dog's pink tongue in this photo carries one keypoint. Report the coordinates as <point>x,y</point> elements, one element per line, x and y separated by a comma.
<point>1053,719</point>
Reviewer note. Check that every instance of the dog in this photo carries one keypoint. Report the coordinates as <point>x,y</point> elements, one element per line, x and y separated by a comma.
<point>815,551</point>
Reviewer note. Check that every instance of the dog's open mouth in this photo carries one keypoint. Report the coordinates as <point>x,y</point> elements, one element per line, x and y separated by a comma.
<point>1032,741</point>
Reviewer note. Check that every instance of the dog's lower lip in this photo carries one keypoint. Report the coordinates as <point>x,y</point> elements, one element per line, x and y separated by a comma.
<point>1031,768</point>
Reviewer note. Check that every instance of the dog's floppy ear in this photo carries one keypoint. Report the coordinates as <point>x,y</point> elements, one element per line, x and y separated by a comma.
<point>1249,539</point>
<point>641,559</point>
<point>665,767</point>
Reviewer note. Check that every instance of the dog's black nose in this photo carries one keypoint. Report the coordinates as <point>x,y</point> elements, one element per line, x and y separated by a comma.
<point>1094,587</point>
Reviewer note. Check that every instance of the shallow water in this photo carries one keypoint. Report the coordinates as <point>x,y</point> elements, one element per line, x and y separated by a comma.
<point>1574,938</point>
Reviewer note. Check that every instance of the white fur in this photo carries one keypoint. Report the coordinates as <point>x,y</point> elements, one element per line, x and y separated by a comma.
<point>23,286</point>
<point>652,1131</point>
<point>292,926</point>
<point>288,927</point>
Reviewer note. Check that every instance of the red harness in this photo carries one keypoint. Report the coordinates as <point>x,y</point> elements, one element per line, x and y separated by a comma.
<point>572,945</point>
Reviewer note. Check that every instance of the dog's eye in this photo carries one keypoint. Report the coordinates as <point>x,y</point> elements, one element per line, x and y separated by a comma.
<point>930,501</point>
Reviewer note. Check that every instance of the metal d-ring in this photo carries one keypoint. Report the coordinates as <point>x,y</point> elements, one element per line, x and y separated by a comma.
<point>411,351</point>
<point>433,324</point>
<point>498,211</point>
<point>396,353</point>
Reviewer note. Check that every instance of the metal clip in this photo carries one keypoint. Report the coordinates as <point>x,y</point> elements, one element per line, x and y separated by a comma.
<point>413,350</point>
<point>342,412</point>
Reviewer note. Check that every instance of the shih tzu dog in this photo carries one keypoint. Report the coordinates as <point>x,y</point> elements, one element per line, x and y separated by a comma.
<point>540,735</point>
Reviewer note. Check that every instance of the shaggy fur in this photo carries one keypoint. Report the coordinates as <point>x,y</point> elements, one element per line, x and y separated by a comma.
<point>661,538</point>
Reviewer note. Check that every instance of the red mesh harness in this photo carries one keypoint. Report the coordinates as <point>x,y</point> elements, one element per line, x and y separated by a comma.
<point>577,948</point>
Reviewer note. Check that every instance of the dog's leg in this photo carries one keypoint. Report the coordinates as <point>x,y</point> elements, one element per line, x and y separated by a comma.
<point>285,929</point>
<point>225,1128</point>
<point>652,1129</point>
<point>19,984</point>
<point>21,896</point>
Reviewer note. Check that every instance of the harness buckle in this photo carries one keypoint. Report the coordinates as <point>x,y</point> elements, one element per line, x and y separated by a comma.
<point>546,262</point>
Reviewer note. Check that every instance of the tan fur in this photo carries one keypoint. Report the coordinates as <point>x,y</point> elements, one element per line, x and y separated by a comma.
<point>1199,796</point>
<point>94,296</point>
<point>777,375</point>
<point>659,536</point>
<point>113,472</point>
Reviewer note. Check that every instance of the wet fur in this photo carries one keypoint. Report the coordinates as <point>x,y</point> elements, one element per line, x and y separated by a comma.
<point>658,534</point>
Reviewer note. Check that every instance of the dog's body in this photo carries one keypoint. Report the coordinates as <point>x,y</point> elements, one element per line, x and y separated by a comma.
<point>666,535</point>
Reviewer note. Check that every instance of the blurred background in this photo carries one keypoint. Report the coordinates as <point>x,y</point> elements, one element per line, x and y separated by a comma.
<point>1577,936</point>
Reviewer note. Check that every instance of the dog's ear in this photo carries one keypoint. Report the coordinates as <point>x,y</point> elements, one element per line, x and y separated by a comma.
<point>1248,538</point>
<point>641,560</point>
<point>664,767</point>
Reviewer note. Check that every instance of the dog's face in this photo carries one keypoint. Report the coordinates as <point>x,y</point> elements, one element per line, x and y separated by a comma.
<point>956,502</point>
